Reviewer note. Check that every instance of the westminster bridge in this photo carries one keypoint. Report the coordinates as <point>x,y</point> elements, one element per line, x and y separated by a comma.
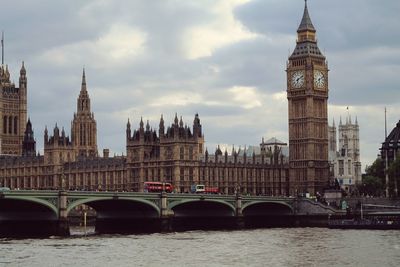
<point>26,211</point>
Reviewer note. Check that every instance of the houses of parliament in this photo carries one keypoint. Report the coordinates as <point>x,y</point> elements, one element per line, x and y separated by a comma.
<point>174,153</point>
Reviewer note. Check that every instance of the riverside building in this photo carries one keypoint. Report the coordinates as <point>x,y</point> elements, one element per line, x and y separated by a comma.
<point>175,153</point>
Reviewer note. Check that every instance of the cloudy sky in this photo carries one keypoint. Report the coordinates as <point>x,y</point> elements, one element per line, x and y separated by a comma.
<point>223,59</point>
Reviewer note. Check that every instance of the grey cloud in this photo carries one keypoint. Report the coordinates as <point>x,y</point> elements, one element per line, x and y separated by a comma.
<point>128,87</point>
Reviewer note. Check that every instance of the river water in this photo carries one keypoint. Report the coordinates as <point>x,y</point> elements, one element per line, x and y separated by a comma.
<point>261,247</point>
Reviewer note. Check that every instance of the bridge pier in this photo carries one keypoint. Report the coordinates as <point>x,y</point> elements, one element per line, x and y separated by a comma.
<point>62,225</point>
<point>166,215</point>
<point>240,224</point>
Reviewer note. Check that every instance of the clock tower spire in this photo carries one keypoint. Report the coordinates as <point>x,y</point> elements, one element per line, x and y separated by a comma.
<point>307,93</point>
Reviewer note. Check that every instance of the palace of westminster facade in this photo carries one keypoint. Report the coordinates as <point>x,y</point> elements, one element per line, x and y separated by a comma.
<point>175,153</point>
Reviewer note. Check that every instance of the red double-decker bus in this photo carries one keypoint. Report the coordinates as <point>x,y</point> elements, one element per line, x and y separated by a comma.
<point>200,188</point>
<point>157,187</point>
<point>211,190</point>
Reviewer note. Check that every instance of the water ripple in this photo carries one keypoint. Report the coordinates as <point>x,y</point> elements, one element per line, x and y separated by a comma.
<point>264,247</point>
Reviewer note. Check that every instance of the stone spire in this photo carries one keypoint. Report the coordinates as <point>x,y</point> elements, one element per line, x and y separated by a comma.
<point>2,48</point>
<point>161,128</point>
<point>83,99</point>
<point>176,119</point>
<point>181,122</point>
<point>147,126</point>
<point>128,130</point>
<point>23,70</point>
<point>83,86</point>
<point>46,135</point>
<point>306,24</point>
<point>141,124</point>
<point>161,121</point>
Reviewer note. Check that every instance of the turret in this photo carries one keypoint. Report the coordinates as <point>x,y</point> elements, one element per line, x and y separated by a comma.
<point>56,132</point>
<point>128,130</point>
<point>147,126</point>
<point>22,77</point>
<point>218,153</point>
<point>262,147</point>
<point>29,143</point>
<point>46,135</point>
<point>161,129</point>
<point>196,126</point>
<point>7,74</point>
<point>176,120</point>
<point>181,122</point>
<point>57,148</point>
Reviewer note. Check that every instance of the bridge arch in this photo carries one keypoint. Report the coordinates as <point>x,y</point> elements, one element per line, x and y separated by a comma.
<point>276,207</point>
<point>178,203</point>
<point>193,214</point>
<point>89,200</point>
<point>40,201</point>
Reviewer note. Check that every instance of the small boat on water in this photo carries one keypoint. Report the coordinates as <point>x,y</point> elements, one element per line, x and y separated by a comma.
<point>366,223</point>
<point>380,220</point>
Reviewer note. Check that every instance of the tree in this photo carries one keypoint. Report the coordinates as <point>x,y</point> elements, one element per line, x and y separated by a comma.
<point>371,186</point>
<point>394,174</point>
<point>377,169</point>
<point>373,182</point>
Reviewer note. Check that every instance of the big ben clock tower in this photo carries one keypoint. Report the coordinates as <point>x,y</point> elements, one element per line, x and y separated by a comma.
<point>307,93</point>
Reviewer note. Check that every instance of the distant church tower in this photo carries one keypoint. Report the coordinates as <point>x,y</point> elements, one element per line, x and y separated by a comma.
<point>307,93</point>
<point>84,129</point>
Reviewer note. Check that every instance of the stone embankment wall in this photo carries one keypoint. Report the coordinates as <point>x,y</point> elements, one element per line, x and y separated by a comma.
<point>310,207</point>
<point>354,203</point>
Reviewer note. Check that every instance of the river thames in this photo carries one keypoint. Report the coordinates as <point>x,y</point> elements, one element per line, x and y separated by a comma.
<point>261,247</point>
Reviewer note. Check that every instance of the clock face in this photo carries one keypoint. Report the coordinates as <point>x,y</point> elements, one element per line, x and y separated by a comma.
<point>298,79</point>
<point>319,79</point>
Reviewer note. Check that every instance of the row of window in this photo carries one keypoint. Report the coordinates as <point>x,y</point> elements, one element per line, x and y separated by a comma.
<point>10,125</point>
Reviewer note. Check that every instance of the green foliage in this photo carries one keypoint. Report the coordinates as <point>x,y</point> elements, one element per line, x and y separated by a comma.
<point>394,173</point>
<point>372,186</point>
<point>377,169</point>
<point>373,182</point>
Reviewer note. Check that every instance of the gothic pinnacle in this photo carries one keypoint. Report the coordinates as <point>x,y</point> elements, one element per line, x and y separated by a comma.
<point>141,123</point>
<point>83,87</point>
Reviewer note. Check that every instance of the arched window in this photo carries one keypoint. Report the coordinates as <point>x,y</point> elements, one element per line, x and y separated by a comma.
<point>15,125</point>
<point>81,134</point>
<point>5,124</point>
<point>182,152</point>
<point>10,125</point>
<point>190,153</point>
